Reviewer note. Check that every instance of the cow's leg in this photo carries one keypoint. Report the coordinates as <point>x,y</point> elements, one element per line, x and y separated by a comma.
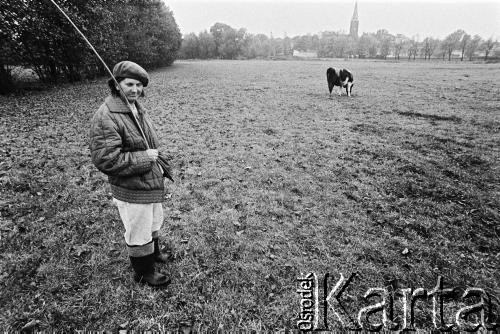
<point>348,88</point>
<point>344,84</point>
<point>340,90</point>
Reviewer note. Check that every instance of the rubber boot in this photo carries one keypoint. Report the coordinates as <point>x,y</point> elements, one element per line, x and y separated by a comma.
<point>144,268</point>
<point>159,256</point>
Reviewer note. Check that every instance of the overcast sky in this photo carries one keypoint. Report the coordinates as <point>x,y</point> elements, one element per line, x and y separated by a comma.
<point>300,17</point>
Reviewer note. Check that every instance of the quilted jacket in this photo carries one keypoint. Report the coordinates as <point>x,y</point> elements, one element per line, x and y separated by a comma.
<point>119,151</point>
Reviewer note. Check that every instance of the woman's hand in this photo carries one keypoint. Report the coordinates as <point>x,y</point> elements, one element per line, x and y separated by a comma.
<point>152,153</point>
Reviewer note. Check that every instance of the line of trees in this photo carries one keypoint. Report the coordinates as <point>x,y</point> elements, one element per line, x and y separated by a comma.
<point>223,41</point>
<point>35,35</point>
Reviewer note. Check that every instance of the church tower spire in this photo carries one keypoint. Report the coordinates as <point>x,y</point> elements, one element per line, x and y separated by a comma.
<point>353,31</point>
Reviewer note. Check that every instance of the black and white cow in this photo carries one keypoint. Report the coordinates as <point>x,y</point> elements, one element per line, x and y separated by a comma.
<point>342,79</point>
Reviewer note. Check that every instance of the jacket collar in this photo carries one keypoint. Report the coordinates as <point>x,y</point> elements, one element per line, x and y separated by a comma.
<point>116,104</point>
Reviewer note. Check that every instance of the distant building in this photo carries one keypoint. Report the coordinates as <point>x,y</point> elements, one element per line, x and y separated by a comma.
<point>305,54</point>
<point>353,31</point>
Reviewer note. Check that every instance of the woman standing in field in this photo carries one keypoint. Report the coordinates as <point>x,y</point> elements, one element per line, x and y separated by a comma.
<point>135,169</point>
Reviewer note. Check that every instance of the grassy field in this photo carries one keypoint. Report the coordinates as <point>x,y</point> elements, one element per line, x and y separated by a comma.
<point>274,178</point>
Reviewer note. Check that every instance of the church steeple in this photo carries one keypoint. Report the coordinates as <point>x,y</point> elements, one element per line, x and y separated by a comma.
<point>353,31</point>
<point>355,14</point>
